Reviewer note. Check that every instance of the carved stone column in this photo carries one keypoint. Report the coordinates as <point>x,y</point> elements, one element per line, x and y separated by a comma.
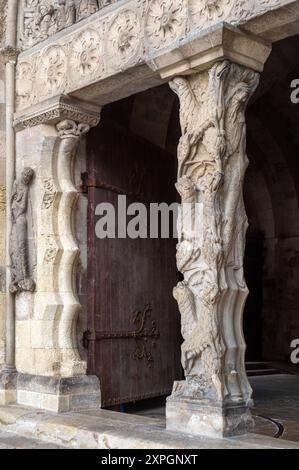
<point>51,372</point>
<point>215,397</point>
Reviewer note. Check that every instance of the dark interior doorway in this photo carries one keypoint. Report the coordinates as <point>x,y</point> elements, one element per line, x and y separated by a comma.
<point>134,324</point>
<point>271,318</point>
<point>253,270</point>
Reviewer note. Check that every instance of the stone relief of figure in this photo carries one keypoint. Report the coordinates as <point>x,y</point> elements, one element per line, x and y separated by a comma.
<point>43,20</point>
<point>66,14</point>
<point>86,8</point>
<point>18,249</point>
<point>212,163</point>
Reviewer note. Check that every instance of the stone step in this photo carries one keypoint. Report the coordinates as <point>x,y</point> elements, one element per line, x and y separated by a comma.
<point>111,430</point>
<point>10,440</point>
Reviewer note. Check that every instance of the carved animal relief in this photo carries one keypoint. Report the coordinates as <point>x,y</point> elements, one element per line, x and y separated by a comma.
<point>212,163</point>
<point>18,248</point>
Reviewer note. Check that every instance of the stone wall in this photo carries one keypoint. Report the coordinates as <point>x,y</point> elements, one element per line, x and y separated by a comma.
<point>3,4</point>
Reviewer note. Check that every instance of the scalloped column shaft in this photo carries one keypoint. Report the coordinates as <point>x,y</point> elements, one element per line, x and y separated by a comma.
<point>46,321</point>
<point>215,395</point>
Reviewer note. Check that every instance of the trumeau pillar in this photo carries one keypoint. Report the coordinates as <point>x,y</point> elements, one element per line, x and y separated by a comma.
<point>215,397</point>
<point>51,373</point>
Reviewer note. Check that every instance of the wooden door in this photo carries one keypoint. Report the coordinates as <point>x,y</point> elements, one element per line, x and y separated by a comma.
<point>134,323</point>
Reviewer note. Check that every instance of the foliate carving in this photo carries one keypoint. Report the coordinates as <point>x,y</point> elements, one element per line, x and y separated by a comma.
<point>204,12</point>
<point>124,36</point>
<point>18,247</point>
<point>49,193</point>
<point>52,70</point>
<point>212,224</point>
<point>63,109</point>
<point>166,21</point>
<point>9,54</point>
<point>51,251</point>
<point>85,54</point>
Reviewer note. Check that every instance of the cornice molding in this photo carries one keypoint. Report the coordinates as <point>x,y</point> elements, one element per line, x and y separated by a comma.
<point>56,109</point>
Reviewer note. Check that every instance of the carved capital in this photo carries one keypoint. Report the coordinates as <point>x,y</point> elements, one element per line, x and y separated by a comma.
<point>9,54</point>
<point>61,108</point>
<point>70,129</point>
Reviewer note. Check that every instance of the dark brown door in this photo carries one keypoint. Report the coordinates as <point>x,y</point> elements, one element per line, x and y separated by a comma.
<point>134,324</point>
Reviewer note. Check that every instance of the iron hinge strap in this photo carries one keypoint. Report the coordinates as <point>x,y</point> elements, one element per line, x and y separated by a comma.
<point>89,336</point>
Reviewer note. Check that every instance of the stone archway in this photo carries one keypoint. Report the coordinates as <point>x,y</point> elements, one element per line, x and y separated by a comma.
<point>214,72</point>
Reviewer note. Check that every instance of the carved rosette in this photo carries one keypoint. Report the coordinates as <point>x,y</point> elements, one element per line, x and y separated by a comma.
<point>207,12</point>
<point>212,227</point>
<point>52,71</point>
<point>85,55</point>
<point>124,37</point>
<point>166,21</point>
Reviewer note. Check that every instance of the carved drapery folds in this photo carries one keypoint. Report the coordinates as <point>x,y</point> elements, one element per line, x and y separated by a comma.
<point>212,227</point>
<point>18,248</point>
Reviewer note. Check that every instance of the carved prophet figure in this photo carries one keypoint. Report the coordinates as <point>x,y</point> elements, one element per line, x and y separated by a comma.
<point>66,14</point>
<point>86,8</point>
<point>18,249</point>
<point>43,20</point>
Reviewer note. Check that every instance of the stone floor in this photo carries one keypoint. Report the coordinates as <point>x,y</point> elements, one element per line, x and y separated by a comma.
<point>11,441</point>
<point>276,410</point>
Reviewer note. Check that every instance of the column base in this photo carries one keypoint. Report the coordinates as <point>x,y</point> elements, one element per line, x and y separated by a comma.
<point>8,387</point>
<point>202,418</point>
<point>59,394</point>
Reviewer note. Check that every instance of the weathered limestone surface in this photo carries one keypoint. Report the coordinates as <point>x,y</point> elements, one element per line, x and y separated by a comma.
<point>114,51</point>
<point>214,398</point>
<point>46,343</point>
<point>104,429</point>
<point>2,189</point>
<point>126,34</point>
